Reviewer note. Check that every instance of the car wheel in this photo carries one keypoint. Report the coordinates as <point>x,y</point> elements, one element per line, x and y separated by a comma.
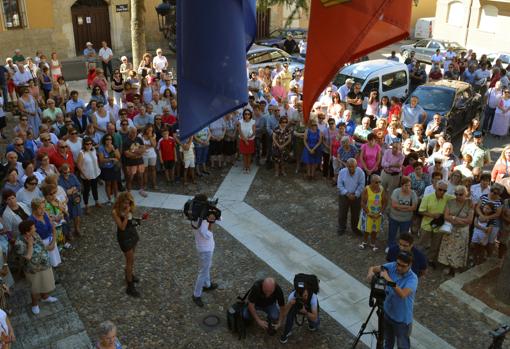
<point>405,54</point>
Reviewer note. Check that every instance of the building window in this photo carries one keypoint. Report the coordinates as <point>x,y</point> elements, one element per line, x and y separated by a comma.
<point>12,15</point>
<point>488,19</point>
<point>456,13</point>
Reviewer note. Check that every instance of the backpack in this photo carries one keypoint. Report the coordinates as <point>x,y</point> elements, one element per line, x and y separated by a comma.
<point>235,320</point>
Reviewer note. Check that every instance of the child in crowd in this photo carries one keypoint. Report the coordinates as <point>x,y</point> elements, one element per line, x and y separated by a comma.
<point>167,154</point>
<point>188,157</point>
<point>482,230</point>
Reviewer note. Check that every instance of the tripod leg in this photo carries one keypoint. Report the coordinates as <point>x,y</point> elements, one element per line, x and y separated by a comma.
<point>380,327</point>
<point>362,329</point>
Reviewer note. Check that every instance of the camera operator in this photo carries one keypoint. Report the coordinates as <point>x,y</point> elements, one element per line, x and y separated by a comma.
<point>204,241</point>
<point>267,296</point>
<point>301,301</point>
<point>402,283</point>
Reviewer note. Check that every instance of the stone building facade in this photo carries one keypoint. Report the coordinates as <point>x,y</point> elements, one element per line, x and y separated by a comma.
<point>49,25</point>
<point>477,24</point>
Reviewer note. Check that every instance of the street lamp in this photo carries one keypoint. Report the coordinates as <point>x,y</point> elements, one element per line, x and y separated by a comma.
<point>167,21</point>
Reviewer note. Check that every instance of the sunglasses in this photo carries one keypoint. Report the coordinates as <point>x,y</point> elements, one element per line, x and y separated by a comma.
<point>23,119</point>
<point>402,265</point>
<point>441,190</point>
<point>32,183</point>
<point>495,191</point>
<point>88,143</point>
<point>46,139</point>
<point>62,146</point>
<point>123,124</point>
<point>459,194</point>
<point>18,144</point>
<point>74,133</point>
<point>108,139</point>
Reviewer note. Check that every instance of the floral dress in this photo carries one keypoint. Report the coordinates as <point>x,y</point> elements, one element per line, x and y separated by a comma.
<point>282,136</point>
<point>454,248</point>
<point>374,204</point>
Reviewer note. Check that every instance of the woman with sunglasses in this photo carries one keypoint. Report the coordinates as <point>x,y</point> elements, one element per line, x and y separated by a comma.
<point>97,95</point>
<point>246,130</point>
<point>45,167</point>
<point>453,252</point>
<point>282,136</point>
<point>57,211</point>
<point>28,108</point>
<point>312,153</point>
<point>117,86</point>
<point>109,162</point>
<point>502,116</point>
<point>70,183</point>
<point>74,142</point>
<point>29,191</point>
<point>89,172</point>
<point>100,120</point>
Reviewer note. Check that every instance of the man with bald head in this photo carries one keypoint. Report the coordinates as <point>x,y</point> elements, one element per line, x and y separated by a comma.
<point>266,296</point>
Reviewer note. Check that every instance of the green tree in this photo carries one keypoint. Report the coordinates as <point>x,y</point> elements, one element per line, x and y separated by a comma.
<point>138,45</point>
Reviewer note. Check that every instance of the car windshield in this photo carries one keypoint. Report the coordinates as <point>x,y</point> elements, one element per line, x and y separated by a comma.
<point>340,79</point>
<point>267,56</point>
<point>433,98</point>
<point>276,34</point>
<point>452,45</point>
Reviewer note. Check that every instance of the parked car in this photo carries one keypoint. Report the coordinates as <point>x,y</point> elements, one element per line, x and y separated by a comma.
<point>425,49</point>
<point>278,36</point>
<point>261,56</point>
<point>390,78</point>
<point>505,57</point>
<point>454,100</point>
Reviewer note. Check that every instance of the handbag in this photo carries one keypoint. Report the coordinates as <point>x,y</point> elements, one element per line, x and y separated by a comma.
<point>447,227</point>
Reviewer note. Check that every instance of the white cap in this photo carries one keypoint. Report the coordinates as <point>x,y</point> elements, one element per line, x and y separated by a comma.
<point>88,43</point>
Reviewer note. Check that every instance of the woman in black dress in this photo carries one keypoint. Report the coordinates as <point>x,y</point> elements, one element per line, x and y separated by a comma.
<point>127,236</point>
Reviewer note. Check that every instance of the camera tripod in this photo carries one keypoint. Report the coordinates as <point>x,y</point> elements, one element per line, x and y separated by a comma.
<point>379,333</point>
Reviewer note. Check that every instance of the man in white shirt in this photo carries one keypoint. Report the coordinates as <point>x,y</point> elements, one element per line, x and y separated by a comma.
<point>437,58</point>
<point>448,56</point>
<point>255,86</point>
<point>204,242</point>
<point>287,111</point>
<point>21,77</point>
<point>412,114</point>
<point>345,89</point>
<point>112,108</point>
<point>159,63</point>
<point>166,83</point>
<point>482,76</point>
<point>297,81</point>
<point>158,104</point>
<point>106,55</point>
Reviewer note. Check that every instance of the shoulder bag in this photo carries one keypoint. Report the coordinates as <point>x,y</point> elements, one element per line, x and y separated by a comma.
<point>447,227</point>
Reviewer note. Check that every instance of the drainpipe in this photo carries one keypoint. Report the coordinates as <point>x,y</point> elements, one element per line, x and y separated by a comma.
<point>466,33</point>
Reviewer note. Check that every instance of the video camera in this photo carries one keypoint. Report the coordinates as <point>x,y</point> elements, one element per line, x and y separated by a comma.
<point>199,208</point>
<point>300,289</point>
<point>378,286</point>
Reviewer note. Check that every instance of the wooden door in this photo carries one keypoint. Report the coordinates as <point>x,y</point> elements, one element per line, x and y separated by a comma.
<point>263,19</point>
<point>91,22</point>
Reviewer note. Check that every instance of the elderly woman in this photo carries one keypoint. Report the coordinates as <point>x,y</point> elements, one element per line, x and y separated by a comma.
<point>370,157</point>
<point>29,191</point>
<point>373,204</point>
<point>312,154</point>
<point>29,168</point>
<point>282,136</point>
<point>89,172</point>
<point>454,248</point>
<point>14,213</point>
<point>37,266</point>
<point>45,167</point>
<point>46,230</point>
<point>404,202</point>
<point>11,180</point>
<point>419,179</point>
<point>455,180</point>
<point>380,132</point>
<point>501,167</point>
<point>56,210</point>
<point>246,131</point>
<point>108,336</point>
<point>70,183</point>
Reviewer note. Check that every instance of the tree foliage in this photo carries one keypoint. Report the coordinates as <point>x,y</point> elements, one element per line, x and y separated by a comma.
<point>298,7</point>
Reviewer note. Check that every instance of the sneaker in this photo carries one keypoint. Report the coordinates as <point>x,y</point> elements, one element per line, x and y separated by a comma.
<point>36,310</point>
<point>374,248</point>
<point>67,245</point>
<point>142,193</point>
<point>363,245</point>
<point>212,287</point>
<point>284,338</point>
<point>198,301</point>
<point>386,250</point>
<point>312,328</point>
<point>50,299</point>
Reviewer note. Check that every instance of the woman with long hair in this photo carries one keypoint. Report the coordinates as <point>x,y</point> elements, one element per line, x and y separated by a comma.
<point>89,172</point>
<point>246,131</point>
<point>55,66</point>
<point>312,153</point>
<point>127,236</point>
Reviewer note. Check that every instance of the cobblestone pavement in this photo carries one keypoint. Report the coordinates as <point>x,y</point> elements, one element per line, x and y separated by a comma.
<point>165,317</point>
<point>309,211</point>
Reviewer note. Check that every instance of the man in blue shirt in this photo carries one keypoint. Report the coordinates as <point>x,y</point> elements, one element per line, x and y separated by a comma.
<point>405,244</point>
<point>350,184</point>
<point>73,103</point>
<point>398,305</point>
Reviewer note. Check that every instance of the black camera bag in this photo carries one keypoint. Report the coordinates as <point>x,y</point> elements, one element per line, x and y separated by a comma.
<point>235,320</point>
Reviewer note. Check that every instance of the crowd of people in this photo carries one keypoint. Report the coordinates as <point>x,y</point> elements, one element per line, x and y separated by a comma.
<point>388,161</point>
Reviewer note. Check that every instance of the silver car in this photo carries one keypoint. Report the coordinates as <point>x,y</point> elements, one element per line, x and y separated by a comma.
<point>262,56</point>
<point>425,49</point>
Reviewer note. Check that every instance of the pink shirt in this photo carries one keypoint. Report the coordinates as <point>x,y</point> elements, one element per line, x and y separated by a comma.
<point>370,155</point>
<point>390,159</point>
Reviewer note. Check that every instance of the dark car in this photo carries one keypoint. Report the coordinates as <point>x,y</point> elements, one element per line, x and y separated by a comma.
<point>454,100</point>
<point>425,49</point>
<point>278,36</point>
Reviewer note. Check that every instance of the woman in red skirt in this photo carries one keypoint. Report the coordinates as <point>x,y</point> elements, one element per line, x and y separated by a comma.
<point>246,128</point>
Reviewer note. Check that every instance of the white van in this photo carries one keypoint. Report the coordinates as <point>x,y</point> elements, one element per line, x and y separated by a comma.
<point>424,28</point>
<point>390,78</point>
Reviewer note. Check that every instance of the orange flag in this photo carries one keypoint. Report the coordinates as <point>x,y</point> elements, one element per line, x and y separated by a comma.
<point>341,31</point>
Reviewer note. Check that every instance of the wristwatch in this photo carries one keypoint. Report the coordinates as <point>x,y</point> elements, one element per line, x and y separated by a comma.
<point>392,284</point>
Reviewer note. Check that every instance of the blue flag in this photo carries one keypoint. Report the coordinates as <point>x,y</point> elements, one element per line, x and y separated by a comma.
<point>212,40</point>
